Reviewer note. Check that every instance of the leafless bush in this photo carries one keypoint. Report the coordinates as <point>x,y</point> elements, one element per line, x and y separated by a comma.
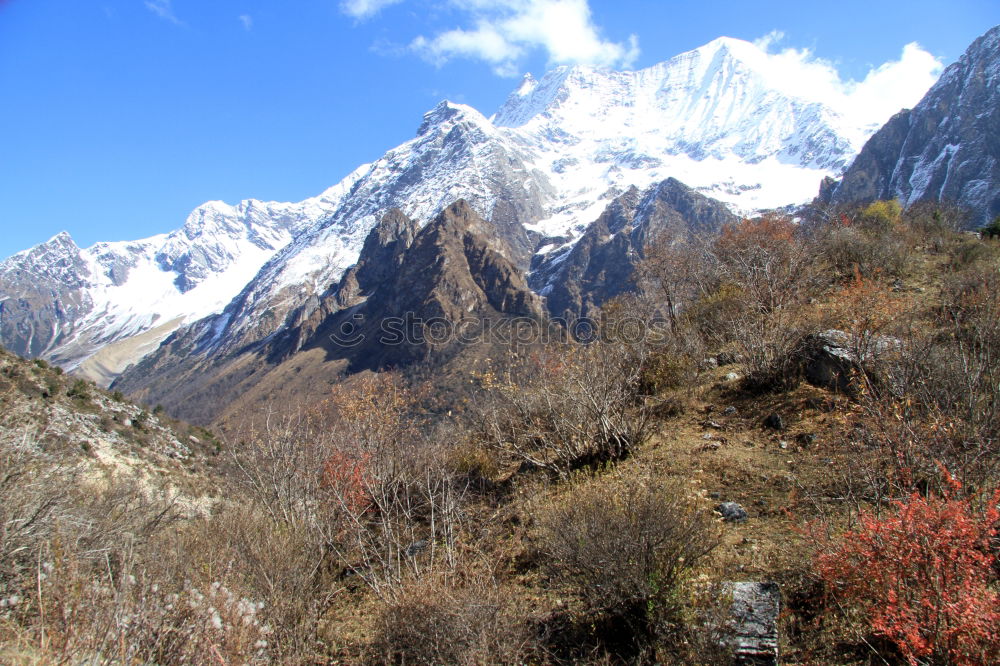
<point>771,348</point>
<point>561,409</point>
<point>623,546</point>
<point>33,498</point>
<point>850,249</point>
<point>359,477</point>
<point>936,223</point>
<point>123,615</point>
<point>676,272</point>
<point>767,260</point>
<point>940,401</point>
<point>82,579</point>
<point>434,622</point>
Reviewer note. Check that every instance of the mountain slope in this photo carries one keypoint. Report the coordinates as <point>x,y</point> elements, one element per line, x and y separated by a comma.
<point>559,150</point>
<point>66,303</point>
<point>453,274</point>
<point>947,148</point>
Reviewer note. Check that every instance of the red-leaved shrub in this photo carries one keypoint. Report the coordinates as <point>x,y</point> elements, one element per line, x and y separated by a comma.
<point>924,576</point>
<point>347,477</point>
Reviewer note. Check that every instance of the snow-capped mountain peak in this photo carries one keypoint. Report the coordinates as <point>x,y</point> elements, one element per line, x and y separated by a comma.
<point>543,167</point>
<point>63,302</point>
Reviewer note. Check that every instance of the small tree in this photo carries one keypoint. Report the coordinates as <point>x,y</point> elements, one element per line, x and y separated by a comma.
<point>992,230</point>
<point>924,576</point>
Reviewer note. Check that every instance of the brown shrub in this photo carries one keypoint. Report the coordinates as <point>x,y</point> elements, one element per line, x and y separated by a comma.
<point>623,547</point>
<point>564,408</point>
<point>432,622</point>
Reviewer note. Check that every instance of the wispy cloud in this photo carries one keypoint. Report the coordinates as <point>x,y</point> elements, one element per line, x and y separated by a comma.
<point>502,32</point>
<point>363,9</point>
<point>883,91</point>
<point>164,10</point>
<point>247,22</point>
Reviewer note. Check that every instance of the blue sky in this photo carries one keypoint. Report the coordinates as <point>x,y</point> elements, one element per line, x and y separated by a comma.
<point>120,116</point>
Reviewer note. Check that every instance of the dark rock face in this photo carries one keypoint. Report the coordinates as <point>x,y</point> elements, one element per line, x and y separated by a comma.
<point>39,290</point>
<point>454,277</point>
<point>601,265</point>
<point>754,622</point>
<point>947,148</point>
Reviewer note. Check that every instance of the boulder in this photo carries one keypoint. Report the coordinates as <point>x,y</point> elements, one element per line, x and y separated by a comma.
<point>774,421</point>
<point>829,360</point>
<point>732,512</point>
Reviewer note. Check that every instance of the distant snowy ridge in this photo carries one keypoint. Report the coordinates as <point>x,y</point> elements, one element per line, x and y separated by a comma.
<point>557,151</point>
<point>541,169</point>
<point>64,303</point>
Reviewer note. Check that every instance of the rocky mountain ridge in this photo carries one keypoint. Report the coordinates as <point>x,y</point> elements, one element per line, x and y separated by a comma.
<point>947,148</point>
<point>540,171</point>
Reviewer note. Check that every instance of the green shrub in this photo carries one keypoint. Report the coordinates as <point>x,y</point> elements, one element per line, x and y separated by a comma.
<point>992,230</point>
<point>80,390</point>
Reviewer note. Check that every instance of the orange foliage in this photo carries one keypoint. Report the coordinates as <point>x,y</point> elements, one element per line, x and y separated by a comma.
<point>347,476</point>
<point>924,576</point>
<point>767,231</point>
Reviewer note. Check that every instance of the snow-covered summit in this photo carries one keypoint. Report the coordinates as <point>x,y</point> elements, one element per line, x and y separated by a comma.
<point>718,118</point>
<point>63,302</point>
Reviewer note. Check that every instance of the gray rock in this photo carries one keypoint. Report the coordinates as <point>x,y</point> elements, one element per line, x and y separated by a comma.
<point>732,512</point>
<point>731,377</point>
<point>417,547</point>
<point>729,411</point>
<point>829,359</point>
<point>754,622</point>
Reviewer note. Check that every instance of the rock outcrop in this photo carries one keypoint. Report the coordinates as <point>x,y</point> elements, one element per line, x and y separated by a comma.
<point>947,148</point>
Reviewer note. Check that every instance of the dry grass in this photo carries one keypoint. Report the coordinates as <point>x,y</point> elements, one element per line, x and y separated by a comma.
<point>375,529</point>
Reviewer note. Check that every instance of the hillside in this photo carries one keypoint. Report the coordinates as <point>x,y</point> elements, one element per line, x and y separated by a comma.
<point>570,503</point>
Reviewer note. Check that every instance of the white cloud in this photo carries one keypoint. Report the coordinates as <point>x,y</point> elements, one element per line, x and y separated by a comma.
<point>885,89</point>
<point>362,9</point>
<point>164,10</point>
<point>247,22</point>
<point>897,84</point>
<point>503,31</point>
<point>770,39</point>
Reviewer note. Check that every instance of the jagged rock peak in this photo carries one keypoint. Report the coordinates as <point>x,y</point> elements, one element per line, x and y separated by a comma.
<point>947,148</point>
<point>448,113</point>
<point>383,250</point>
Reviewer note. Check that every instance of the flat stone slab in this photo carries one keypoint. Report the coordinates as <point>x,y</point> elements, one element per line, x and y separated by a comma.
<point>754,622</point>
